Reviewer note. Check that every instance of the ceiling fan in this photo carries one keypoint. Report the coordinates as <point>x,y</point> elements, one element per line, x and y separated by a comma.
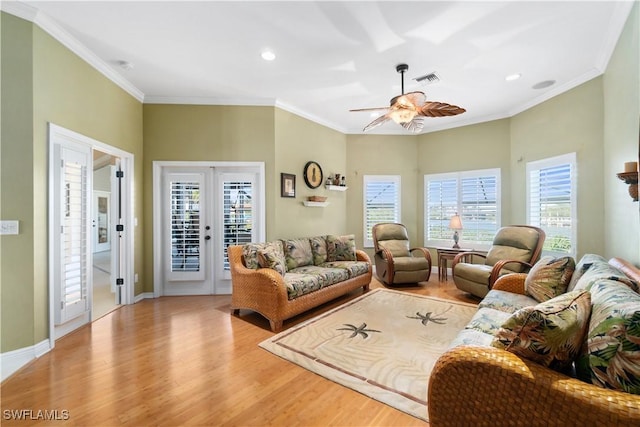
<point>410,109</point>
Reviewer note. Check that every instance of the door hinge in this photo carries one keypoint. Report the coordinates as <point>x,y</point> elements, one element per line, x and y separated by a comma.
<point>119,174</point>
<point>61,305</point>
<point>119,281</point>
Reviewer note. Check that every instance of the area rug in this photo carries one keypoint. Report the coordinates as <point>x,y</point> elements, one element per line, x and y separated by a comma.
<point>383,344</point>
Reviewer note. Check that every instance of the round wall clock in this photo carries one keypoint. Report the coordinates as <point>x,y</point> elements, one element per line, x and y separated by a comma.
<point>313,174</point>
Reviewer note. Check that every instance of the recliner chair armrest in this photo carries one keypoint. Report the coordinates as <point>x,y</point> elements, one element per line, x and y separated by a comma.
<point>498,266</point>
<point>466,257</point>
<point>424,252</point>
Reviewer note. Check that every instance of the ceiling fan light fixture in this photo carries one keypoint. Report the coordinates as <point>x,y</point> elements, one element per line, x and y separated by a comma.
<point>402,115</point>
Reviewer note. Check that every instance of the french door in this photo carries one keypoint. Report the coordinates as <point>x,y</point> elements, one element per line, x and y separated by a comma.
<point>204,209</point>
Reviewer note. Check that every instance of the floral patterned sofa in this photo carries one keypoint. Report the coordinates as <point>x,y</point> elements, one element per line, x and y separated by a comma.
<point>557,346</point>
<point>283,278</point>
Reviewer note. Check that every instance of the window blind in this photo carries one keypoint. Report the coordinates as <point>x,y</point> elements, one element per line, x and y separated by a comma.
<point>381,202</point>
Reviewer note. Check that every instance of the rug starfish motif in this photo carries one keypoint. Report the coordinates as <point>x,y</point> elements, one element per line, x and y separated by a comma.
<point>357,330</point>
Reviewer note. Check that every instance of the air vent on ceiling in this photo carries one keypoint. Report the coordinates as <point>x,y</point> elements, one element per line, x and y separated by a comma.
<point>428,79</point>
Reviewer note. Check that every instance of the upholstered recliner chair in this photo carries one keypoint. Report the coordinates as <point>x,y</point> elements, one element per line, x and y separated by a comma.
<point>395,261</point>
<point>514,250</point>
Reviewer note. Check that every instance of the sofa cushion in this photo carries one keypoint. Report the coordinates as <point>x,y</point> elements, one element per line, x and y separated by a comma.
<point>550,333</point>
<point>506,301</point>
<point>593,268</point>
<point>271,257</point>
<point>329,276</point>
<point>341,248</point>
<point>297,252</point>
<point>355,268</point>
<point>319,249</point>
<point>250,252</point>
<point>611,356</point>
<point>300,284</point>
<point>488,320</point>
<point>549,277</point>
<point>472,337</point>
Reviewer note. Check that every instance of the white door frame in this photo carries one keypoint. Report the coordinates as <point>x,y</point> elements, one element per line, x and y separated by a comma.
<point>158,168</point>
<point>57,133</point>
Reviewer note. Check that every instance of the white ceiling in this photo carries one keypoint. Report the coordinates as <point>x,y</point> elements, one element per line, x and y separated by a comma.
<point>333,56</point>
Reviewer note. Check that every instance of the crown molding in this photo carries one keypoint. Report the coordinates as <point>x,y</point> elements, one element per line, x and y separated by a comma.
<point>210,100</point>
<point>52,28</point>
<point>298,112</point>
<point>616,25</point>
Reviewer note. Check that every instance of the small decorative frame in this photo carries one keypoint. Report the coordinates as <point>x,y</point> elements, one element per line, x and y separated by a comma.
<point>287,185</point>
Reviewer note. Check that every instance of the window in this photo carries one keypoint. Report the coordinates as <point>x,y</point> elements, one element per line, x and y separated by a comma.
<point>381,202</point>
<point>474,195</point>
<point>551,202</point>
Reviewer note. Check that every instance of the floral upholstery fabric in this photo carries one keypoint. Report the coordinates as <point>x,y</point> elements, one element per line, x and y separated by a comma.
<point>297,253</point>
<point>471,337</point>
<point>549,277</point>
<point>328,276</point>
<point>355,268</point>
<point>250,252</point>
<point>271,257</point>
<point>506,301</point>
<point>341,248</point>
<point>488,320</point>
<point>611,356</point>
<point>593,269</point>
<point>300,284</point>
<point>319,249</point>
<point>550,333</point>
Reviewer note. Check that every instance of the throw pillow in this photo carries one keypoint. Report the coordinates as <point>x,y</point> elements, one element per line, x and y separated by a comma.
<point>341,248</point>
<point>319,249</point>
<point>612,351</point>
<point>297,253</point>
<point>550,333</point>
<point>549,277</point>
<point>250,252</point>
<point>270,257</point>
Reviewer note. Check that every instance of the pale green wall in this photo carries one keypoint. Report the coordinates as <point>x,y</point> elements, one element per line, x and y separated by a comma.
<point>570,122</point>
<point>382,155</point>
<point>17,177</point>
<point>621,127</point>
<point>205,133</point>
<point>50,84</point>
<point>297,142</point>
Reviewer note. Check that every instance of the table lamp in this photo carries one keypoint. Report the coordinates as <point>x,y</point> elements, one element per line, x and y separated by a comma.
<point>455,224</point>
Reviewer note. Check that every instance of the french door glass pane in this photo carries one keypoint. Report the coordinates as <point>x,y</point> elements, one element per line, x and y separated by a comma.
<point>238,215</point>
<point>185,226</point>
<point>74,274</point>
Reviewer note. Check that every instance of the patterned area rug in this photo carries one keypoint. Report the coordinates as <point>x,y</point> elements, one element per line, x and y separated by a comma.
<point>382,344</point>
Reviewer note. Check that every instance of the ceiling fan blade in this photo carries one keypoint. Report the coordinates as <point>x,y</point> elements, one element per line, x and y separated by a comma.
<point>370,109</point>
<point>414,125</point>
<point>377,122</point>
<point>440,109</point>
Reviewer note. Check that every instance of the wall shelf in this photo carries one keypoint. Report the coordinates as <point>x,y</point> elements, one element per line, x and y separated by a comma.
<point>336,187</point>
<point>315,204</point>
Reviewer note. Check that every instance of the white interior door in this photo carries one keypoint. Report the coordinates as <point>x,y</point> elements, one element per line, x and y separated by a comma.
<point>187,231</point>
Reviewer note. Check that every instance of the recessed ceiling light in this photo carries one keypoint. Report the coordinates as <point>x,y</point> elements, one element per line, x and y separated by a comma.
<point>543,84</point>
<point>268,55</point>
<point>512,77</point>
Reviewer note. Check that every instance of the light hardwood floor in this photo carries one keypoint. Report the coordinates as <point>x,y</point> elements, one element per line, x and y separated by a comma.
<point>186,361</point>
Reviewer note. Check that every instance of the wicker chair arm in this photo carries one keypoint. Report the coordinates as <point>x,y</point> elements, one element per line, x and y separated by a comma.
<point>498,266</point>
<point>480,386</point>
<point>513,283</point>
<point>362,256</point>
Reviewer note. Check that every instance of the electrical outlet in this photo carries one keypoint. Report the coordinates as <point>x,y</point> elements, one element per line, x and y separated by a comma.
<point>9,227</point>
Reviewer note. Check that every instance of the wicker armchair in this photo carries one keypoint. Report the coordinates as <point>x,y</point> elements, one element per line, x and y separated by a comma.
<point>515,249</point>
<point>395,261</point>
<point>486,386</point>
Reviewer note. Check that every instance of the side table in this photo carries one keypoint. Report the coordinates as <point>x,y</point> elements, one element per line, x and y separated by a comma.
<point>445,254</point>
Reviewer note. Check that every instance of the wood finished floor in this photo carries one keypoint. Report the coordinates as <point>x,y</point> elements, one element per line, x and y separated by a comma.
<point>186,361</point>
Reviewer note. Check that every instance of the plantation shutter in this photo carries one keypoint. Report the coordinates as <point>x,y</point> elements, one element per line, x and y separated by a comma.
<point>73,258</point>
<point>381,202</point>
<point>479,208</point>
<point>552,202</point>
<point>442,204</point>
<point>238,213</point>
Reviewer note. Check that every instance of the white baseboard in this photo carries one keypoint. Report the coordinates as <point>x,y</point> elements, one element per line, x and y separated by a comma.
<point>142,296</point>
<point>12,361</point>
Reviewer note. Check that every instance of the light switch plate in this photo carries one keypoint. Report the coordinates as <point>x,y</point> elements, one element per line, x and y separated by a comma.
<point>9,227</point>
